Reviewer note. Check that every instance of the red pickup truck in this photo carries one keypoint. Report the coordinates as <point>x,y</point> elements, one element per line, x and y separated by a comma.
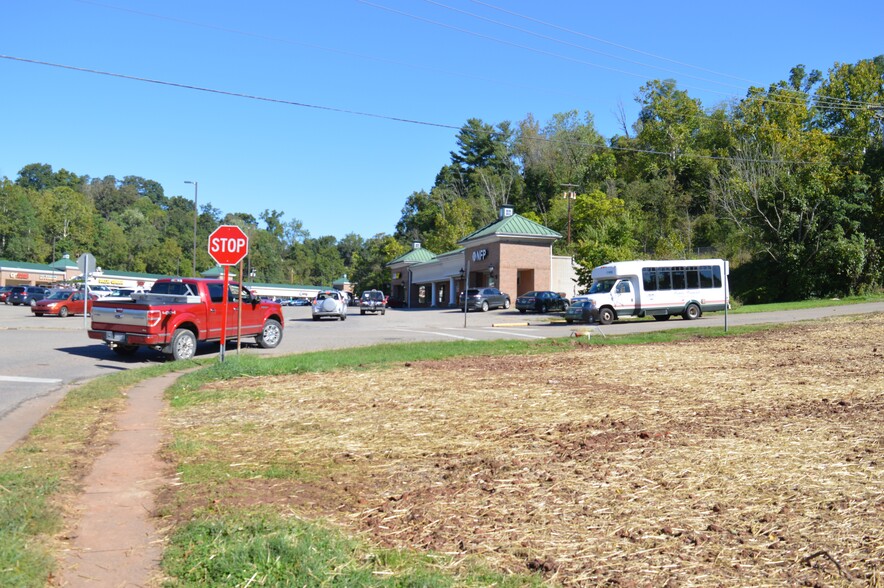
<point>179,312</point>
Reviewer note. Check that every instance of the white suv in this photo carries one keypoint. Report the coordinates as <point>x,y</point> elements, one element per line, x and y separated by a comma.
<point>329,303</point>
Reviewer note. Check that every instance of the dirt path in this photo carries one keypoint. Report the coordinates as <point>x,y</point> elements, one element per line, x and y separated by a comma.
<point>115,542</point>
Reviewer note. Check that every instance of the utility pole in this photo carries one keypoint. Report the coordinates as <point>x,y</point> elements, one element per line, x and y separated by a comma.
<point>570,195</point>
<point>196,214</point>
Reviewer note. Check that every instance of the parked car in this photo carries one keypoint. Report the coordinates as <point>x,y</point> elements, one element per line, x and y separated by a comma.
<point>101,290</point>
<point>300,302</point>
<point>484,299</point>
<point>373,301</point>
<point>4,293</point>
<point>329,303</point>
<point>25,295</point>
<point>63,303</point>
<point>123,293</point>
<point>580,311</point>
<point>541,301</point>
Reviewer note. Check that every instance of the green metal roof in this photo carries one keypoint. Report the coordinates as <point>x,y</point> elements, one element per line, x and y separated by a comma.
<point>64,262</point>
<point>218,271</point>
<point>122,274</point>
<point>419,255</point>
<point>513,226</point>
<point>37,267</point>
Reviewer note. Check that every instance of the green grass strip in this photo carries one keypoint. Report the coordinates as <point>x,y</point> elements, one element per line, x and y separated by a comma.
<point>264,549</point>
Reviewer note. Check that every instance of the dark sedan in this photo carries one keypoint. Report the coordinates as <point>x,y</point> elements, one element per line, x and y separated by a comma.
<point>581,311</point>
<point>541,301</point>
<point>484,299</point>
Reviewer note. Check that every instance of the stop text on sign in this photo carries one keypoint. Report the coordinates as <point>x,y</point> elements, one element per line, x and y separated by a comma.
<point>228,245</point>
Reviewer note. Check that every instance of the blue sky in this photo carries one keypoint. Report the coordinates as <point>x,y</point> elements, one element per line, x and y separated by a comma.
<point>300,145</point>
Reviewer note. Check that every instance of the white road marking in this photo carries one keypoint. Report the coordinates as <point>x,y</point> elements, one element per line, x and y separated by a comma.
<point>30,380</point>
<point>436,333</point>
<point>508,332</point>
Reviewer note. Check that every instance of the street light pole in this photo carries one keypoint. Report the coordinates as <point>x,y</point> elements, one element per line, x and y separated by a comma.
<point>569,195</point>
<point>195,216</point>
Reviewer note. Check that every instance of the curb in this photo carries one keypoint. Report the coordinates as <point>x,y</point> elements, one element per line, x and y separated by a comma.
<point>525,324</point>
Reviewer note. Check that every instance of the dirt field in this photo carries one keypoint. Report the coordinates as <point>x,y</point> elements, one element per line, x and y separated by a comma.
<point>753,460</point>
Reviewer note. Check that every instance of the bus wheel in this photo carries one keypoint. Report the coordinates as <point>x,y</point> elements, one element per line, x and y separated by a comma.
<point>606,316</point>
<point>691,312</point>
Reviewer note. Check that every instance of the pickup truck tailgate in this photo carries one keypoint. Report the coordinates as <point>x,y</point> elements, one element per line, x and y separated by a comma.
<point>119,315</point>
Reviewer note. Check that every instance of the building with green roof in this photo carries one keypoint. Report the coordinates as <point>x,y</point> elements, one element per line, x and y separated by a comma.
<point>513,253</point>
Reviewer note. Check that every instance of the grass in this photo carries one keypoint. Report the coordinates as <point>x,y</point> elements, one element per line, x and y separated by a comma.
<point>801,304</point>
<point>693,468</point>
<point>262,548</point>
<point>190,387</point>
<point>37,475</point>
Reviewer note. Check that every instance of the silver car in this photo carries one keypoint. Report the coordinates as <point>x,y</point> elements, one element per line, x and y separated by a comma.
<point>329,303</point>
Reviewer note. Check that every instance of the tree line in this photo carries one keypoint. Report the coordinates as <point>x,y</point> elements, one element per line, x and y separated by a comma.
<point>787,183</point>
<point>131,225</point>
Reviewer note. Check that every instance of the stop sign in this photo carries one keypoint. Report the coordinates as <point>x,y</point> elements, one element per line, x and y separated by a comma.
<point>228,244</point>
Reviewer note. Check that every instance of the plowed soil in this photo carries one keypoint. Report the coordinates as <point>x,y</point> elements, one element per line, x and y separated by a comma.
<point>750,460</point>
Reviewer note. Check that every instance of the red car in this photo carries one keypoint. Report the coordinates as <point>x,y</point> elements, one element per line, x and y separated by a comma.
<point>63,303</point>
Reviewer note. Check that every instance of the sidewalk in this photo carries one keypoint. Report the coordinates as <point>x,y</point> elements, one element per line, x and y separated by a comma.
<point>115,542</point>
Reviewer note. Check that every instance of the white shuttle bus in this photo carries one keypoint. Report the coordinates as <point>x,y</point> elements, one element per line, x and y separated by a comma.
<point>658,288</point>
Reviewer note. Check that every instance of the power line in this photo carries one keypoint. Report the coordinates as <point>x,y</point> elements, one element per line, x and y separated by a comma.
<point>228,93</point>
<point>858,103</point>
<point>855,107</point>
<point>834,103</point>
<point>377,116</point>
<point>566,43</point>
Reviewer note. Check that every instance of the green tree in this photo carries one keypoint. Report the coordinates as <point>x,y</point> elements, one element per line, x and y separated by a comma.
<point>604,232</point>
<point>39,176</point>
<point>67,220</point>
<point>21,236</point>
<point>370,270</point>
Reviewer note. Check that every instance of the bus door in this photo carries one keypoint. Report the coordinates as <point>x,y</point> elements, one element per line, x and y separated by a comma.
<point>623,295</point>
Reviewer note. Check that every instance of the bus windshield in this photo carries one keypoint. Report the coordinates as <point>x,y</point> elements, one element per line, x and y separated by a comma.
<point>602,286</point>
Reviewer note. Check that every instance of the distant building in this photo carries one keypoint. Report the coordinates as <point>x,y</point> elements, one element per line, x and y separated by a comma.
<point>512,253</point>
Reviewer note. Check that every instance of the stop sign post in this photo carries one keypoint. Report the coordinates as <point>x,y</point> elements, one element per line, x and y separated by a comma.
<point>228,245</point>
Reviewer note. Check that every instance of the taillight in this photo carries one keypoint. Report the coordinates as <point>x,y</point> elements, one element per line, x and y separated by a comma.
<point>154,317</point>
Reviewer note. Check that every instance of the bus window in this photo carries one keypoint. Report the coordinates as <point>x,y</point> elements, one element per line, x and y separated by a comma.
<point>716,276</point>
<point>649,278</point>
<point>664,278</point>
<point>706,276</point>
<point>623,288</point>
<point>693,275</point>
<point>678,280</point>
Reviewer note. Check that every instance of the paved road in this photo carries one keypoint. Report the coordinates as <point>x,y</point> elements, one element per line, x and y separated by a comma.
<point>41,357</point>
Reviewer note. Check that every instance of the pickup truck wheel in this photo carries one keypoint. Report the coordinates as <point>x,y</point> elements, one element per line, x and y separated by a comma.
<point>270,335</point>
<point>183,344</point>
